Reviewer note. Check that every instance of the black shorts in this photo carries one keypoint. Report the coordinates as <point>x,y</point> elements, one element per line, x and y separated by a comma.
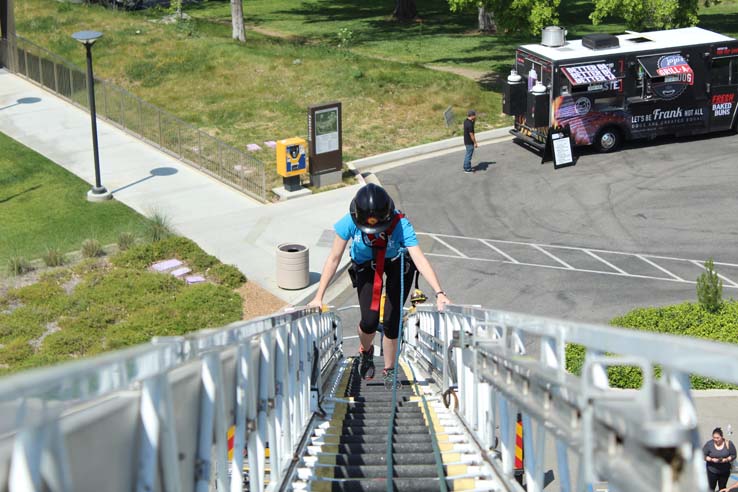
<point>363,279</point>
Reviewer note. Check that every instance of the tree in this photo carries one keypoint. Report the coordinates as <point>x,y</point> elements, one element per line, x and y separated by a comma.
<point>485,16</point>
<point>650,14</point>
<point>710,288</point>
<point>529,16</point>
<point>405,10</point>
<point>237,20</point>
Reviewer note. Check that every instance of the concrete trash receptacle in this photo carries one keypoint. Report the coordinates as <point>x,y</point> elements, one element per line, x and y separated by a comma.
<point>293,266</point>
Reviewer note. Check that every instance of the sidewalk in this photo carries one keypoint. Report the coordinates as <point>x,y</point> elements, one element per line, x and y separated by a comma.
<point>224,222</point>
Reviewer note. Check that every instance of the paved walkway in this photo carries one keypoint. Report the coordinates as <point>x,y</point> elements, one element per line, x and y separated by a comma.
<point>224,222</point>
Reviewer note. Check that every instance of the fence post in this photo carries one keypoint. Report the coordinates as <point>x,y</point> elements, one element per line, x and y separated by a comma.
<point>122,113</point>
<point>158,112</point>
<point>56,79</point>
<point>179,140</point>
<point>105,100</point>
<point>71,85</point>
<point>140,118</point>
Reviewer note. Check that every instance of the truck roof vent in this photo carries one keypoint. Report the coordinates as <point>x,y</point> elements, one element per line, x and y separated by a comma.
<point>600,41</point>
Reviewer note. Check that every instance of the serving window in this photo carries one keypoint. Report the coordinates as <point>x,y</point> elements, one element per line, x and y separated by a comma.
<point>662,76</point>
<point>724,71</point>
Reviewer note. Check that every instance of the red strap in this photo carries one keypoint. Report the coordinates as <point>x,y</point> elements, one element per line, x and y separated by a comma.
<point>379,242</point>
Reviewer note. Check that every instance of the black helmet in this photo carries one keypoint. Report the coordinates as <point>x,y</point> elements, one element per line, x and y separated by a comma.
<point>372,209</point>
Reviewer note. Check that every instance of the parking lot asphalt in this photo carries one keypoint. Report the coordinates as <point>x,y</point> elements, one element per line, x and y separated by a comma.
<point>588,242</point>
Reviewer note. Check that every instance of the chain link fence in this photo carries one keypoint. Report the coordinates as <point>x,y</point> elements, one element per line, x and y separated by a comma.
<point>136,116</point>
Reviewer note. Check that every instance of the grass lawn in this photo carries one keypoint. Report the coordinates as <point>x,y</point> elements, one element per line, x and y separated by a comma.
<point>260,90</point>
<point>42,205</point>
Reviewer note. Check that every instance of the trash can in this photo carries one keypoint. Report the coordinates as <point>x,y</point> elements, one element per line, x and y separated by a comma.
<point>293,266</point>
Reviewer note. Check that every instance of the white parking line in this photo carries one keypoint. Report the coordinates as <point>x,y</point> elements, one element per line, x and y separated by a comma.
<point>447,245</point>
<point>651,260</point>
<point>568,266</point>
<point>605,262</point>
<point>512,260</point>
<point>676,277</point>
<point>701,265</point>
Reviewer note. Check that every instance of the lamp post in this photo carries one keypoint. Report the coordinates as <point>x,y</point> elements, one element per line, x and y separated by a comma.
<point>87,38</point>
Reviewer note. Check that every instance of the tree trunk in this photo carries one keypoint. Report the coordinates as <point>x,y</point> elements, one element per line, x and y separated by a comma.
<point>486,21</point>
<point>237,20</point>
<point>405,10</point>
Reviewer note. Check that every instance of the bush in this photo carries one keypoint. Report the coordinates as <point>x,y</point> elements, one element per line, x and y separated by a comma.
<point>687,319</point>
<point>53,257</point>
<point>18,265</point>
<point>15,352</point>
<point>91,248</point>
<point>158,227</point>
<point>227,275</point>
<point>126,240</point>
<point>710,288</point>
<point>23,323</point>
<point>143,255</point>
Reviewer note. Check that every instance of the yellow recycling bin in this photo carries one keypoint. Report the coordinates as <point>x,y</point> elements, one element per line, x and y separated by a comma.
<point>291,157</point>
<point>291,161</point>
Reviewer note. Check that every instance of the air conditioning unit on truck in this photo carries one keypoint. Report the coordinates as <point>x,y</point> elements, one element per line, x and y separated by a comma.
<point>609,88</point>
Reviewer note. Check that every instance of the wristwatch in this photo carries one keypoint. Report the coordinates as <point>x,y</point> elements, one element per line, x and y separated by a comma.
<point>439,293</point>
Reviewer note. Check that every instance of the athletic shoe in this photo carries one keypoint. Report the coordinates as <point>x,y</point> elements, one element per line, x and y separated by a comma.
<point>389,377</point>
<point>366,366</point>
<point>468,171</point>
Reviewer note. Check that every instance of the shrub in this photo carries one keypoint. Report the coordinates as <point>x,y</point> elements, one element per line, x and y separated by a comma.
<point>53,257</point>
<point>710,288</point>
<point>23,323</point>
<point>227,275</point>
<point>126,240</point>
<point>143,255</point>
<point>157,227</point>
<point>687,319</point>
<point>18,265</point>
<point>91,248</point>
<point>70,342</point>
<point>15,351</point>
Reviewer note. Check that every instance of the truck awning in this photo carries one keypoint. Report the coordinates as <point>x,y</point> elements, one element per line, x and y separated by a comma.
<point>588,74</point>
<point>668,66</point>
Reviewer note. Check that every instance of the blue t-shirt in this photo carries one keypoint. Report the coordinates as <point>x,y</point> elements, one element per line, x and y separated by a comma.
<point>402,236</point>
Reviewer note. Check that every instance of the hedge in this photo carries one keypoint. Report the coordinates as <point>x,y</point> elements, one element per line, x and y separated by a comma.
<point>687,319</point>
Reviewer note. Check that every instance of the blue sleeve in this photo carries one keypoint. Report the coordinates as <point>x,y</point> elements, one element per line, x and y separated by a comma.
<point>345,227</point>
<point>408,233</point>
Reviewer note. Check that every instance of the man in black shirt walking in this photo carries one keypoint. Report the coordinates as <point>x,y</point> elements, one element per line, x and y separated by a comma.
<point>470,140</point>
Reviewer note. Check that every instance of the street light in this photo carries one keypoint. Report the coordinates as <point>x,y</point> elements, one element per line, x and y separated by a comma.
<point>98,192</point>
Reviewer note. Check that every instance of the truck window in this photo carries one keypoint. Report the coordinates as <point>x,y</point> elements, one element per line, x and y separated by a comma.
<point>720,71</point>
<point>602,104</point>
<point>734,71</point>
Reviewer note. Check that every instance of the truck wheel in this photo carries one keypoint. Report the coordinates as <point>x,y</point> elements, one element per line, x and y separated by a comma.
<point>608,139</point>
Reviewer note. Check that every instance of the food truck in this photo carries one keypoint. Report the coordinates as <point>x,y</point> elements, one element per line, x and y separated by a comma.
<point>608,88</point>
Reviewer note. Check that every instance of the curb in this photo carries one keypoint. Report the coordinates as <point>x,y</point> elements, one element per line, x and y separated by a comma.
<point>419,150</point>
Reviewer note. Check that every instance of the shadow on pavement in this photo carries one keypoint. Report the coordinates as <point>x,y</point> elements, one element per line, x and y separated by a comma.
<point>159,171</point>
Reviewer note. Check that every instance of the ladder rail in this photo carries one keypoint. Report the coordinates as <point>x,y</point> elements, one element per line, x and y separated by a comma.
<point>180,395</point>
<point>635,440</point>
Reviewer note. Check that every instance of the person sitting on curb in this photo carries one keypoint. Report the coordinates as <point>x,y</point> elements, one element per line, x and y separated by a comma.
<point>379,233</point>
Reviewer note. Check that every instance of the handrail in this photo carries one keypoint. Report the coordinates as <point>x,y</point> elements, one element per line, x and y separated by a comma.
<point>179,395</point>
<point>501,364</point>
<point>132,114</point>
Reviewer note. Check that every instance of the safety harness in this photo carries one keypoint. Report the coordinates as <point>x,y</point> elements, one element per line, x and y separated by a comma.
<point>379,247</point>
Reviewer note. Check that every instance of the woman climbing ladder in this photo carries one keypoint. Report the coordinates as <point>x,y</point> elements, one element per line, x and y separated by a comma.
<point>379,233</point>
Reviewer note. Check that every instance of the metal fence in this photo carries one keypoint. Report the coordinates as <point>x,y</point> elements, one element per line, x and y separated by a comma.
<point>156,416</point>
<point>497,364</point>
<point>137,117</point>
